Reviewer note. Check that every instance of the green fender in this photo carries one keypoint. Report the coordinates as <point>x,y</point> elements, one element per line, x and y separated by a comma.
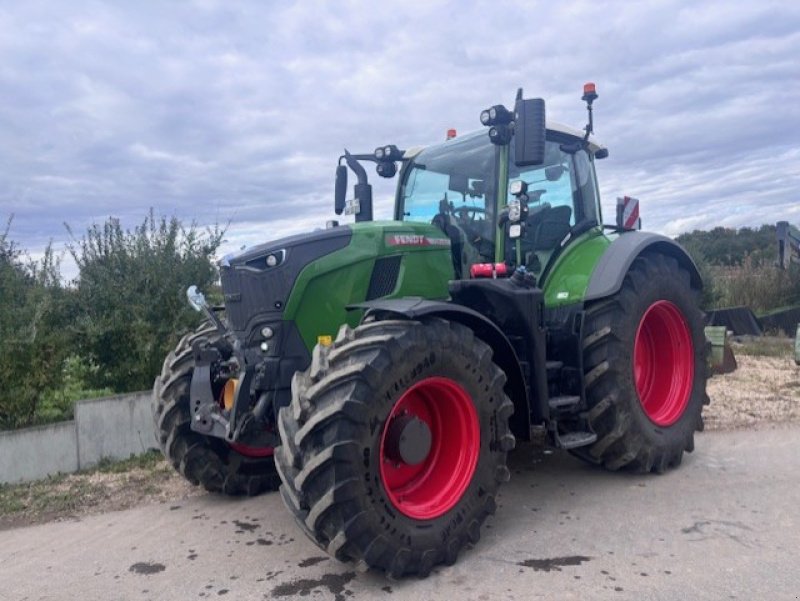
<point>594,265</point>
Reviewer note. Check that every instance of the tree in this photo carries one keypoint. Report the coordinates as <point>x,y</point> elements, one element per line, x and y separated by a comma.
<point>131,294</point>
<point>34,343</point>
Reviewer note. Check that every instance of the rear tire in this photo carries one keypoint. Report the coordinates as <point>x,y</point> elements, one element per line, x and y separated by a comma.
<point>645,368</point>
<point>203,460</point>
<point>342,478</point>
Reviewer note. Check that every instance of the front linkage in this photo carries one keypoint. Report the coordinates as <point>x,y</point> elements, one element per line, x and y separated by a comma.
<point>227,414</point>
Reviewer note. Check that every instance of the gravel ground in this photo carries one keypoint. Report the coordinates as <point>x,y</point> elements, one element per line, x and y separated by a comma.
<point>763,391</point>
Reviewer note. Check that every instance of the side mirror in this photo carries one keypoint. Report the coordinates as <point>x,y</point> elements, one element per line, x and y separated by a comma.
<point>529,132</point>
<point>196,298</point>
<point>458,183</point>
<point>341,189</point>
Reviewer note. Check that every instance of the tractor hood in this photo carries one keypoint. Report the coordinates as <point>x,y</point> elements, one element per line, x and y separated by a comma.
<point>259,280</point>
<point>256,256</point>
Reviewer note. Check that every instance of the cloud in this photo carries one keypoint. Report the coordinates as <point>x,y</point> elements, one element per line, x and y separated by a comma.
<point>216,111</point>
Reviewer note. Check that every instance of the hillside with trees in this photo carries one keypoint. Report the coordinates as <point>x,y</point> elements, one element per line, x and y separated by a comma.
<point>727,247</point>
<point>739,268</point>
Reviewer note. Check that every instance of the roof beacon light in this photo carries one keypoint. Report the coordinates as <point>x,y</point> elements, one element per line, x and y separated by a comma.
<point>451,133</point>
<point>589,96</point>
<point>589,91</point>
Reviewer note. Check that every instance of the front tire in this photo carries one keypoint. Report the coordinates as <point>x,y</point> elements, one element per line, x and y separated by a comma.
<point>217,466</point>
<point>645,368</point>
<point>395,444</point>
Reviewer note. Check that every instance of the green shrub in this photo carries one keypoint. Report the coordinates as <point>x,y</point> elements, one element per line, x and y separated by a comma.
<point>34,308</point>
<point>111,329</point>
<point>131,293</point>
<point>758,286</point>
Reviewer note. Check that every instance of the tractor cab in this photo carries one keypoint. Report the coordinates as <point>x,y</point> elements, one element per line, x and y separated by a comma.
<point>516,197</point>
<point>457,186</point>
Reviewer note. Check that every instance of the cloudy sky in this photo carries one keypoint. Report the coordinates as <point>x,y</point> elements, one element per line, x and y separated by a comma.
<point>219,111</point>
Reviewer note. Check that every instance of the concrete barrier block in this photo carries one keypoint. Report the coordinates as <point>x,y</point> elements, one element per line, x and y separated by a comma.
<point>37,452</point>
<point>113,427</point>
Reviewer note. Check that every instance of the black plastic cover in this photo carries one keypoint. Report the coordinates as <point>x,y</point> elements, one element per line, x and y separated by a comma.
<point>384,277</point>
<point>254,290</point>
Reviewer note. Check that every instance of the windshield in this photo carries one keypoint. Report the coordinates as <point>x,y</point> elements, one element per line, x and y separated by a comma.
<point>453,185</point>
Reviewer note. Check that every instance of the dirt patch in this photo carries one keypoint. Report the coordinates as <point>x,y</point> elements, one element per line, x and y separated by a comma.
<point>111,487</point>
<point>765,388</point>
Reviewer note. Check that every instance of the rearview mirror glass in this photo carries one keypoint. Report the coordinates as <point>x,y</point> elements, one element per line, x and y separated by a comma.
<point>458,183</point>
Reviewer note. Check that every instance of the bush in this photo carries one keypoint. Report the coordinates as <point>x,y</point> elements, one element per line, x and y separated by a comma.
<point>758,286</point>
<point>33,338</point>
<point>59,404</point>
<point>711,293</point>
<point>738,268</point>
<point>131,294</point>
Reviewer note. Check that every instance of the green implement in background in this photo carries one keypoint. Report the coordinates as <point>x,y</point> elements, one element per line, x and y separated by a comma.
<point>721,359</point>
<point>797,346</point>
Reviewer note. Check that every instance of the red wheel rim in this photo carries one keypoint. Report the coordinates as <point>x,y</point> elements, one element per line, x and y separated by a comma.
<point>225,401</point>
<point>663,363</point>
<point>431,488</point>
<point>254,452</point>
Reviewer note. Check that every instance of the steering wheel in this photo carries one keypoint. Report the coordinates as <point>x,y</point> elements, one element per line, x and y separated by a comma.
<point>467,213</point>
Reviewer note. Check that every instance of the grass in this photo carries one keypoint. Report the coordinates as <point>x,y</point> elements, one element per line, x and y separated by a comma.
<point>765,346</point>
<point>145,461</point>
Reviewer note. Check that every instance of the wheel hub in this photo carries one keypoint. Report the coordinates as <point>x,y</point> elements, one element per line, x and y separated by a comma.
<point>429,448</point>
<point>663,363</point>
<point>408,440</point>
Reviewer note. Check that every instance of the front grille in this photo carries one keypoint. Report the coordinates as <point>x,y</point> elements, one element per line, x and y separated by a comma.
<point>384,277</point>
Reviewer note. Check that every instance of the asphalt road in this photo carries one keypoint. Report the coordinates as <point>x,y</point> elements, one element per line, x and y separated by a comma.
<point>723,526</point>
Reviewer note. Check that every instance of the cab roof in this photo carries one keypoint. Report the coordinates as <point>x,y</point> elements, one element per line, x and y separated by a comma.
<point>551,126</point>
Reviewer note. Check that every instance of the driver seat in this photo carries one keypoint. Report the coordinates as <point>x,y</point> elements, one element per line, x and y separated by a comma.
<point>549,228</point>
<point>463,253</point>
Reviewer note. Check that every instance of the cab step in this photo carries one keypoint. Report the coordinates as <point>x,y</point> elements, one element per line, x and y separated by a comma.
<point>553,369</point>
<point>561,403</point>
<point>572,440</point>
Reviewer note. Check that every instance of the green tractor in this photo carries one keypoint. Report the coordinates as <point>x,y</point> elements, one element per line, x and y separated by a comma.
<point>379,372</point>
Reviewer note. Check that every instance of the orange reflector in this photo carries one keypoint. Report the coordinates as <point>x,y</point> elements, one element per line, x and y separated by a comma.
<point>451,133</point>
<point>229,393</point>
